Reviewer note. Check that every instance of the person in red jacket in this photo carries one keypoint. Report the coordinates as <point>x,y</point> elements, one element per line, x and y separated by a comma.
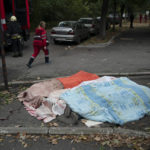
<point>140,17</point>
<point>39,43</point>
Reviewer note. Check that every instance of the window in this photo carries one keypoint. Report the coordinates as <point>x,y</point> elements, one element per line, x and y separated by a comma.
<point>86,21</point>
<point>66,24</point>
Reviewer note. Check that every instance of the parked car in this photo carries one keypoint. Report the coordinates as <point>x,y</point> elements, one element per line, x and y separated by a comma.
<point>107,22</point>
<point>92,24</point>
<point>111,18</point>
<point>72,31</point>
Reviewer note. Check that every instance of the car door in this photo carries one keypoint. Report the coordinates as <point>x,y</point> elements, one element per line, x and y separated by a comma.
<point>79,31</point>
<point>85,31</point>
<point>97,26</point>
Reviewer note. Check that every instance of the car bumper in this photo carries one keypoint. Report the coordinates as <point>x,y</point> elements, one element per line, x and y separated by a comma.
<point>92,31</point>
<point>69,38</point>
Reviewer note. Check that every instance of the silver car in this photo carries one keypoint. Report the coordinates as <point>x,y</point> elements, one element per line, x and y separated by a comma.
<point>71,31</point>
<point>111,19</point>
<point>92,24</point>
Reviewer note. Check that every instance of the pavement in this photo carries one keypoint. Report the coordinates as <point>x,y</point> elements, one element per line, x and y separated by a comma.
<point>14,118</point>
<point>128,52</point>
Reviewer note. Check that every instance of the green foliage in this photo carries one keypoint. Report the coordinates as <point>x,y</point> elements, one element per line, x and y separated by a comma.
<point>102,148</point>
<point>95,8</point>
<point>53,11</point>
<point>136,5</point>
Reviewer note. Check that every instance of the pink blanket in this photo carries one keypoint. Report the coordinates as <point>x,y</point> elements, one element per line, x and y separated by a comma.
<point>34,99</point>
<point>42,101</point>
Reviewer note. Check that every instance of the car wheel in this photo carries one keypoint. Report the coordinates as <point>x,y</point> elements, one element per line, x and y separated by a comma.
<point>107,26</point>
<point>56,42</point>
<point>78,41</point>
<point>88,36</point>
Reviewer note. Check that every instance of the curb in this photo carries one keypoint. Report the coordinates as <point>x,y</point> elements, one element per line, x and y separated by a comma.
<point>124,74</point>
<point>72,131</point>
<point>99,74</point>
<point>99,45</point>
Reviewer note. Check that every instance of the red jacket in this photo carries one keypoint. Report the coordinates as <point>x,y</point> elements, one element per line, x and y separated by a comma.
<point>40,37</point>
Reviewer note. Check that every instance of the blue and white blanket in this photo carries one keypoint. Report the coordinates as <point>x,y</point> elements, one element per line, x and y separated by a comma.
<point>117,101</point>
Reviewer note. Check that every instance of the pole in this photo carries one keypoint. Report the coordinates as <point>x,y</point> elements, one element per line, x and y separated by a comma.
<point>3,57</point>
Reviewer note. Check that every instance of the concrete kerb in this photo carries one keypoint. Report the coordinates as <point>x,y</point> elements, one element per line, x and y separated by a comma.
<point>99,74</point>
<point>72,131</point>
<point>28,130</point>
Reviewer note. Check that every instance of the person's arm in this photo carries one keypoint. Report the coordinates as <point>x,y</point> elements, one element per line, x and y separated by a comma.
<point>43,36</point>
<point>8,31</point>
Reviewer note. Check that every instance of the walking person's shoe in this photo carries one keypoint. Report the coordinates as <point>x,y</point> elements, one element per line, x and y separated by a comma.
<point>47,61</point>
<point>30,62</point>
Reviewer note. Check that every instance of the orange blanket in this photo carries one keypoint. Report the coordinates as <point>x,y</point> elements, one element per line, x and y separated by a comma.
<point>76,79</point>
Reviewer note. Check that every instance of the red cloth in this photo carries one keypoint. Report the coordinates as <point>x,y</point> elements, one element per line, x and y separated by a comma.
<point>76,79</point>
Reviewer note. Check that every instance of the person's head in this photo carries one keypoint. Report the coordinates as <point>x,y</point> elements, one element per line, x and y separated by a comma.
<point>42,24</point>
<point>13,18</point>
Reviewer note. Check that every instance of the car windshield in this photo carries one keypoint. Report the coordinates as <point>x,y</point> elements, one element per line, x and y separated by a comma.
<point>112,15</point>
<point>67,24</point>
<point>86,21</point>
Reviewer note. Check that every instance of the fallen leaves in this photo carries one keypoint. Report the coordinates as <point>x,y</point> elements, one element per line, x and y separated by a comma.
<point>54,141</point>
<point>6,97</point>
<point>4,92</point>
<point>147,129</point>
<point>53,124</point>
<point>22,136</point>
<point>38,78</point>
<point>114,140</point>
<point>25,145</point>
<point>22,139</point>
<point>1,140</point>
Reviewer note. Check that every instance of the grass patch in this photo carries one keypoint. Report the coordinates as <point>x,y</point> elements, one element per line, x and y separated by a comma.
<point>7,97</point>
<point>109,34</point>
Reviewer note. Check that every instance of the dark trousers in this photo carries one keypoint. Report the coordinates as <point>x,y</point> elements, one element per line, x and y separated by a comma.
<point>16,46</point>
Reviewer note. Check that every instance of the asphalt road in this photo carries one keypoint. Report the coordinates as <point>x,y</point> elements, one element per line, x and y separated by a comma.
<point>129,52</point>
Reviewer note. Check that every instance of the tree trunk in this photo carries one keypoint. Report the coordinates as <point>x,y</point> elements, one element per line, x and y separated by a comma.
<point>2,52</point>
<point>114,15</point>
<point>103,18</point>
<point>121,13</point>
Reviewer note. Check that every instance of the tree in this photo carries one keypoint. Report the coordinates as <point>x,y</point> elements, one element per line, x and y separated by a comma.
<point>36,13</point>
<point>104,10</point>
<point>53,11</point>
<point>122,9</point>
<point>114,13</point>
